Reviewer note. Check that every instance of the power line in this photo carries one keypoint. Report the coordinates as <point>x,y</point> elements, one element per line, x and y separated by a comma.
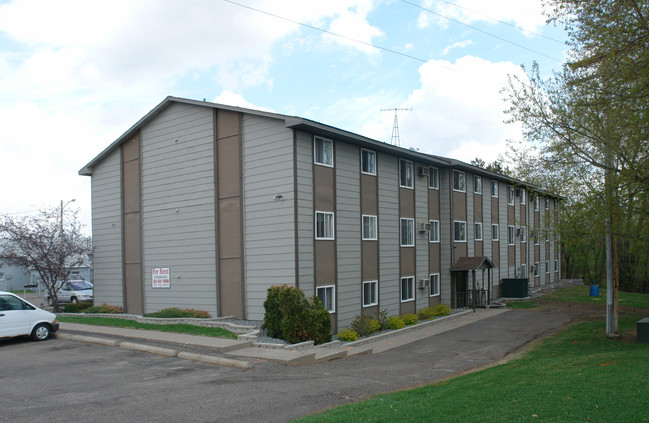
<point>479,30</point>
<point>502,22</point>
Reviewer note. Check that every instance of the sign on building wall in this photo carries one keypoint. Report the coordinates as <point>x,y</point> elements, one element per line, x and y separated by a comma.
<point>160,277</point>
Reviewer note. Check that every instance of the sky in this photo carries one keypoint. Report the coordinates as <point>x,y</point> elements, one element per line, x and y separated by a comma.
<point>76,74</point>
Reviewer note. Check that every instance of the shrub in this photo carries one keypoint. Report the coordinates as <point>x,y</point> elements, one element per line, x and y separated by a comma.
<point>395,322</point>
<point>174,313</point>
<point>365,325</point>
<point>426,313</point>
<point>290,316</point>
<point>76,308</point>
<point>104,308</point>
<point>383,319</point>
<point>273,315</point>
<point>347,335</point>
<point>441,310</point>
<point>409,319</point>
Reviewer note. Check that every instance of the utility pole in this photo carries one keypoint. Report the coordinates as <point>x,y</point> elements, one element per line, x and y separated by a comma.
<point>395,127</point>
<point>611,248</point>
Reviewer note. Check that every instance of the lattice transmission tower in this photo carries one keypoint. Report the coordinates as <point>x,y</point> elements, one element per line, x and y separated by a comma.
<point>395,127</point>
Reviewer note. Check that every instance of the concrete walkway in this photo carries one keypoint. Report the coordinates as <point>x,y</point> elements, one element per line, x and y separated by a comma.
<point>241,353</point>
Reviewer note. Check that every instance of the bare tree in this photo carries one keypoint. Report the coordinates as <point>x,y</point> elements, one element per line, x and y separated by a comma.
<point>48,242</point>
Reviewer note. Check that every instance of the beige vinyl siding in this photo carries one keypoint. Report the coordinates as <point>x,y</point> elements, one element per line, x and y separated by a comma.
<point>107,231</point>
<point>269,231</point>
<point>348,233</point>
<point>388,226</point>
<point>305,212</point>
<point>178,208</point>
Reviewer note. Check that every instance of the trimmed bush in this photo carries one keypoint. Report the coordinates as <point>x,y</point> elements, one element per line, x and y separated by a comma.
<point>395,322</point>
<point>104,308</point>
<point>290,316</point>
<point>409,319</point>
<point>175,313</point>
<point>348,335</point>
<point>426,313</point>
<point>441,310</point>
<point>76,308</point>
<point>365,325</point>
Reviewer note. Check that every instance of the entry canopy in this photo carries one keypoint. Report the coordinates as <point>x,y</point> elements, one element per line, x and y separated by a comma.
<point>472,263</point>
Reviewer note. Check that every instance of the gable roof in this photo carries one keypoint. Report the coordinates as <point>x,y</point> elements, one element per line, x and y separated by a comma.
<point>472,263</point>
<point>316,128</point>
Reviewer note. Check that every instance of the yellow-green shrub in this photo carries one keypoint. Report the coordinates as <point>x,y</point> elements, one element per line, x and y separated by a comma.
<point>441,310</point>
<point>409,319</point>
<point>347,335</point>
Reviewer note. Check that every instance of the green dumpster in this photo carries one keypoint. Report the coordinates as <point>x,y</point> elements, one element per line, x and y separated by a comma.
<point>514,288</point>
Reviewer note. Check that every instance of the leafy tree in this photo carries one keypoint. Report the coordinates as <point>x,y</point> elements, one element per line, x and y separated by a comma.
<point>37,242</point>
<point>497,166</point>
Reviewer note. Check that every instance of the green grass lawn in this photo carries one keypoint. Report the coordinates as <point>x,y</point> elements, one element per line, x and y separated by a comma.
<point>131,324</point>
<point>581,294</point>
<point>576,375</point>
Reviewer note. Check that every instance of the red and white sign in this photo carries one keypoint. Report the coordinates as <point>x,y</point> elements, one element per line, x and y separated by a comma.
<point>160,277</point>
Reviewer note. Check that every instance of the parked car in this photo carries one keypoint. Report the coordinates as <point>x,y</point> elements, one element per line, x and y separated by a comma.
<point>19,317</point>
<point>74,292</point>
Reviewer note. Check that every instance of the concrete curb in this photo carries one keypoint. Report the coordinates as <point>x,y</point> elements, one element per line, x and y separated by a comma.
<point>216,361</point>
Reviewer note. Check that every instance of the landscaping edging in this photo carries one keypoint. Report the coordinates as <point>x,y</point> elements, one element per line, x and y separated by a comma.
<point>210,323</point>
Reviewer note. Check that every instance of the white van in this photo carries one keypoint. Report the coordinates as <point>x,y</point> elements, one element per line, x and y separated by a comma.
<point>74,292</point>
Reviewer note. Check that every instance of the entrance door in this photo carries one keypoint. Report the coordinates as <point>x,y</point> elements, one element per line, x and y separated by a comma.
<point>459,289</point>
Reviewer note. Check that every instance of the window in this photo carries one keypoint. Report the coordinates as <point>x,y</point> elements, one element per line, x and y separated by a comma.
<point>536,269</point>
<point>547,235</point>
<point>547,203</point>
<point>369,227</point>
<point>510,195</point>
<point>407,232</point>
<point>510,235</point>
<point>522,196</point>
<point>370,293</point>
<point>433,178</point>
<point>433,234</point>
<point>2,276</point>
<point>459,183</point>
<point>556,265</point>
<point>323,151</point>
<point>494,232</point>
<point>477,185</point>
<point>368,162</point>
<point>405,173</point>
<point>523,234</point>
<point>407,289</point>
<point>459,231</point>
<point>434,284</point>
<point>547,266</point>
<point>327,296</point>
<point>536,236</point>
<point>478,231</point>
<point>536,203</point>
<point>494,188</point>
<point>324,225</point>
<point>523,270</point>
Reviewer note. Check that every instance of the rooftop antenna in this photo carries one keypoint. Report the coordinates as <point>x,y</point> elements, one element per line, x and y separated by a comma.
<point>395,127</point>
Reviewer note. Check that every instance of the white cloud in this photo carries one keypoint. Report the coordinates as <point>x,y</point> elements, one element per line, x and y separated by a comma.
<point>458,113</point>
<point>459,44</point>
<point>230,98</point>
<point>526,14</point>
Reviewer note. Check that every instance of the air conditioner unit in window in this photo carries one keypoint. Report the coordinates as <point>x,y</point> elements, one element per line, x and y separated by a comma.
<point>423,227</point>
<point>423,283</point>
<point>423,171</point>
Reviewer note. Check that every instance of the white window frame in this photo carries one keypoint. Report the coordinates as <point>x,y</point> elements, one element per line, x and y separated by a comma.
<point>373,227</point>
<point>410,235</point>
<point>410,280</point>
<point>477,184</point>
<point>478,231</point>
<point>547,267</point>
<point>510,195</point>
<point>537,202</point>
<point>547,203</point>
<point>494,226</point>
<point>325,141</point>
<point>433,178</point>
<point>522,196</point>
<point>463,179</point>
<point>524,270</point>
<point>511,235</point>
<point>332,226</point>
<point>537,237</point>
<point>371,163</point>
<point>523,234</point>
<point>556,265</point>
<point>536,269</point>
<point>433,234</point>
<point>494,189</point>
<point>2,276</point>
<point>326,288</point>
<point>374,287</point>
<point>547,235</point>
<point>409,168</point>
<point>433,285</point>
<point>461,224</point>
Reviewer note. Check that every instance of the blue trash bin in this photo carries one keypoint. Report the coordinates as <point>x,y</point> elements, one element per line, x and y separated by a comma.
<point>594,290</point>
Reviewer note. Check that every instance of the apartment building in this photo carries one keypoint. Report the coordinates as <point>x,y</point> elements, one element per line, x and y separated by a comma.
<point>201,205</point>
